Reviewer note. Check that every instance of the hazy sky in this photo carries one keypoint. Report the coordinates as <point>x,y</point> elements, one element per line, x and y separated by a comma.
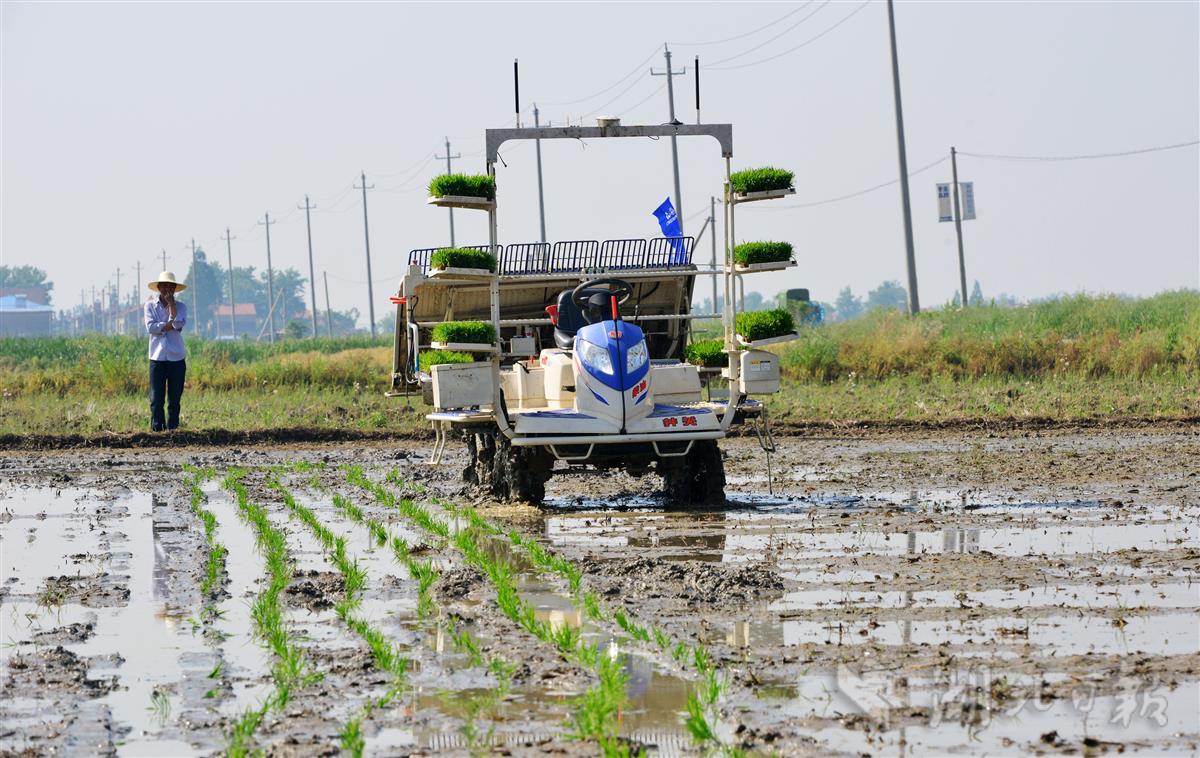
<point>129,128</point>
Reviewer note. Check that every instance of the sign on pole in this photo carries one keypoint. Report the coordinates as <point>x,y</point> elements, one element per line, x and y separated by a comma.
<point>944,211</point>
<point>968,200</point>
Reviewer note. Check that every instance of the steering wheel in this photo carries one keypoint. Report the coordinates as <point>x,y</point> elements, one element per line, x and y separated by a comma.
<point>621,288</point>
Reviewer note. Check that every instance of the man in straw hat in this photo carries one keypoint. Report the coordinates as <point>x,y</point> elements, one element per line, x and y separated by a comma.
<point>165,319</point>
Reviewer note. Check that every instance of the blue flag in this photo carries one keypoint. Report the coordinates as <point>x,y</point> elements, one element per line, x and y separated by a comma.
<point>668,221</point>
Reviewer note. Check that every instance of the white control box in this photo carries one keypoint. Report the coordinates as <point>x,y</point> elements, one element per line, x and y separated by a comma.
<point>760,373</point>
<point>462,385</point>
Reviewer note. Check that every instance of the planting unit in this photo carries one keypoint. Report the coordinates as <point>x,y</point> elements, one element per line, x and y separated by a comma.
<point>587,363</point>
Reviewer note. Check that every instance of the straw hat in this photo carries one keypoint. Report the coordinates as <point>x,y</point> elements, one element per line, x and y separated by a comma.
<point>166,277</point>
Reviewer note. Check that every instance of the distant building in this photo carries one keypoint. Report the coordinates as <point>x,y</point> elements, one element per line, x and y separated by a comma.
<point>22,317</point>
<point>32,294</point>
<point>245,319</point>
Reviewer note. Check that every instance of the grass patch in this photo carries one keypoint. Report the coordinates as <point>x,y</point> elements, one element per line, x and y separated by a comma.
<point>749,253</point>
<point>760,179</point>
<point>1089,337</point>
<point>708,353</point>
<point>761,325</point>
<point>462,257</point>
<point>479,332</point>
<point>463,185</point>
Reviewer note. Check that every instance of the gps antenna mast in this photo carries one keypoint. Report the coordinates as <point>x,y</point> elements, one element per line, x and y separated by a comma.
<point>516,92</point>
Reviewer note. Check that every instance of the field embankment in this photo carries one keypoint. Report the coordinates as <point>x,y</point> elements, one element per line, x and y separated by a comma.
<point>1079,359</point>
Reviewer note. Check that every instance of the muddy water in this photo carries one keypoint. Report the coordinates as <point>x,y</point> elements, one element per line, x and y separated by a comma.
<point>945,595</point>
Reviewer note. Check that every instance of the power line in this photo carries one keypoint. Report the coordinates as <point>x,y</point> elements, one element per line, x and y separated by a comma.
<point>746,34</point>
<point>859,193</point>
<point>1092,156</point>
<point>805,43</point>
<point>612,86</point>
<point>761,45</point>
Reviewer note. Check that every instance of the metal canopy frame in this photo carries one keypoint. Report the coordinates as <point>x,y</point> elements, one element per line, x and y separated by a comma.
<point>722,133</point>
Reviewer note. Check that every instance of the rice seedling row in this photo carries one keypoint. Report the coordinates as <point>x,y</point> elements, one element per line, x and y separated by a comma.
<point>702,703</point>
<point>291,667</point>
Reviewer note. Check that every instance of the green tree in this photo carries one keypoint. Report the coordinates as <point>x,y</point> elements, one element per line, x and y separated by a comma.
<point>888,294</point>
<point>847,305</point>
<point>976,297</point>
<point>296,329</point>
<point>212,285</point>
<point>26,276</point>
<point>289,290</point>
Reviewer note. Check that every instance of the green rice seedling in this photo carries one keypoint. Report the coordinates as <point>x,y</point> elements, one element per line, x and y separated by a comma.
<point>475,332</point>
<point>464,642</point>
<point>697,721</point>
<point>761,325</point>
<point>566,638</point>
<point>760,179</point>
<point>440,357</point>
<point>749,253</point>
<point>591,606</point>
<point>351,738</point>
<point>241,736</point>
<point>216,671</point>
<point>662,639</point>
<point>460,257</point>
<point>463,185</point>
<point>706,353</point>
<point>160,705</point>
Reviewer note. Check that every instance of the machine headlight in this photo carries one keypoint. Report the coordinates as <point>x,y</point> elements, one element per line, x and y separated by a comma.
<point>596,357</point>
<point>636,356</point>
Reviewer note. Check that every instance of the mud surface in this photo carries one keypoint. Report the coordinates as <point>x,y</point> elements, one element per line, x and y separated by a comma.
<point>959,591</point>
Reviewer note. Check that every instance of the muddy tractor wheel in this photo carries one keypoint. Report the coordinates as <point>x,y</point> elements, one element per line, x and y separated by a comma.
<point>495,467</point>
<point>697,478</point>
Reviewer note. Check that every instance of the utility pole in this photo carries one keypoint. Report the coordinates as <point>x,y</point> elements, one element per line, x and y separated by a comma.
<point>232,306</point>
<point>914,301</point>
<point>712,219</point>
<point>82,313</point>
<point>117,300</point>
<point>537,145</point>
<point>367,239</point>
<point>962,266</point>
<point>270,276</point>
<point>671,74</point>
<point>328,313</point>
<point>196,290</point>
<point>312,282</point>
<point>93,307</point>
<point>164,259</point>
<point>137,292</point>
<point>448,158</point>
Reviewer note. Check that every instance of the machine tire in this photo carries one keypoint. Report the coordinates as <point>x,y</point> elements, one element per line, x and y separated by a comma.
<point>495,467</point>
<point>697,478</point>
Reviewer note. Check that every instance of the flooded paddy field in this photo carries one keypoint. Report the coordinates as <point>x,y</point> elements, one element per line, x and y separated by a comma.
<point>941,593</point>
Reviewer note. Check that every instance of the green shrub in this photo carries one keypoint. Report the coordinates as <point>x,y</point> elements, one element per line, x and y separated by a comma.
<point>761,325</point>
<point>462,257</point>
<point>436,357</point>
<point>463,185</point>
<point>706,353</point>
<point>760,179</point>
<point>749,253</point>
<point>477,332</point>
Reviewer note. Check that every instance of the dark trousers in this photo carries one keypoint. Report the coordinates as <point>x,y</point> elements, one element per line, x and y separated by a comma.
<point>166,383</point>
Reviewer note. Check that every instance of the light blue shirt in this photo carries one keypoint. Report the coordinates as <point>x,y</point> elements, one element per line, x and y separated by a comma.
<point>165,346</point>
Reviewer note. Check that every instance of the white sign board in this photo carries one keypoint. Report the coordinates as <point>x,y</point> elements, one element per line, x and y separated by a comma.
<point>944,212</point>
<point>968,200</point>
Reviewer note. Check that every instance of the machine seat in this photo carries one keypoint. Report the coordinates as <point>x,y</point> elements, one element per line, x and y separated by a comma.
<point>571,319</point>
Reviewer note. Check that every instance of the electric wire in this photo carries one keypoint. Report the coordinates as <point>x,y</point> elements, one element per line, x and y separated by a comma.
<point>745,34</point>
<point>609,88</point>
<point>761,45</point>
<point>1085,157</point>
<point>789,51</point>
<point>851,195</point>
